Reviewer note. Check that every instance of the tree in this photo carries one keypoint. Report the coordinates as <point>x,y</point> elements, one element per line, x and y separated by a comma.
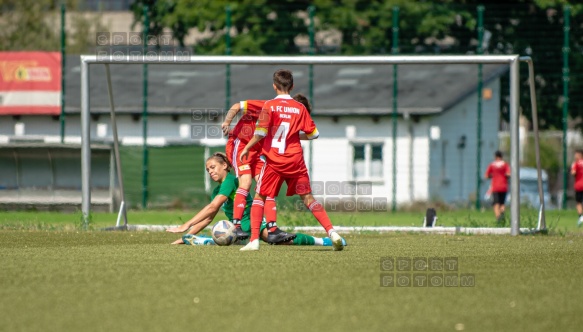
<point>24,26</point>
<point>259,27</point>
<point>366,26</point>
<point>535,28</point>
<point>34,25</point>
<point>157,11</point>
<point>526,27</point>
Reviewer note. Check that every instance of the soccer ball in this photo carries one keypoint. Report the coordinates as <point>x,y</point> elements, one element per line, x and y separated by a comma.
<point>223,233</point>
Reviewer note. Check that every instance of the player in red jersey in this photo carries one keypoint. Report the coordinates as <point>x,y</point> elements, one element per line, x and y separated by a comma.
<point>279,126</point>
<point>499,172</point>
<point>245,171</point>
<point>577,172</point>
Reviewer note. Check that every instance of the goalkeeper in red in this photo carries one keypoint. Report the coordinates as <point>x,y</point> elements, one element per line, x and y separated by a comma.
<point>279,125</point>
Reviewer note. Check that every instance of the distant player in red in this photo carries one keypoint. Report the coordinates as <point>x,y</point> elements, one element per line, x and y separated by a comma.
<point>279,126</point>
<point>499,172</point>
<point>577,172</point>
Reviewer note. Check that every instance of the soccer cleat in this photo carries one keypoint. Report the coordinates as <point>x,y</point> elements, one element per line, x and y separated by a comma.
<point>279,236</point>
<point>336,241</point>
<point>199,240</point>
<point>251,246</point>
<point>327,242</point>
<point>241,234</point>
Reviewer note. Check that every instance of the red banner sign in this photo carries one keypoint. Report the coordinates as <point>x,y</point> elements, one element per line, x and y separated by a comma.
<point>30,83</point>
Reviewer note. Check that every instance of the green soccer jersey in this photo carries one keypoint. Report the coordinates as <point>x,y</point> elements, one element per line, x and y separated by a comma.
<point>229,188</point>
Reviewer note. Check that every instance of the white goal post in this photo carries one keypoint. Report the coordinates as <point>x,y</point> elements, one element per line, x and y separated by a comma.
<point>512,61</point>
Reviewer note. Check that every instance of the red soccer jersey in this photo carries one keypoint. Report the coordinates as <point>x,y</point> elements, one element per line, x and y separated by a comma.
<point>281,121</point>
<point>246,125</point>
<point>499,171</point>
<point>577,167</point>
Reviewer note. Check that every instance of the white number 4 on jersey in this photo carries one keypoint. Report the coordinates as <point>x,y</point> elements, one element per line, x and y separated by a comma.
<point>280,137</point>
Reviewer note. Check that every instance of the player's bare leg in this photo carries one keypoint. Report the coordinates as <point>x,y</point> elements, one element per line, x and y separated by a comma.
<point>497,213</point>
<point>264,235</point>
<point>580,211</point>
<point>320,214</point>
<point>502,209</point>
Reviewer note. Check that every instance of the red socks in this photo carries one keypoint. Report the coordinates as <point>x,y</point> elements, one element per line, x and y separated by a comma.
<point>270,213</point>
<point>320,213</point>
<point>239,204</point>
<point>256,218</point>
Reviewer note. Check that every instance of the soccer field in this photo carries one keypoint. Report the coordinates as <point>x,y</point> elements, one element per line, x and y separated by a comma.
<point>135,281</point>
<point>558,221</point>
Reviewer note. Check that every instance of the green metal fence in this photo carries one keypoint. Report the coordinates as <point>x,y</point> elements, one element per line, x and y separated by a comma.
<point>552,35</point>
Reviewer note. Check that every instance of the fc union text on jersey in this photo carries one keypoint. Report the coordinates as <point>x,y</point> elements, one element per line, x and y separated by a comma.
<point>285,109</point>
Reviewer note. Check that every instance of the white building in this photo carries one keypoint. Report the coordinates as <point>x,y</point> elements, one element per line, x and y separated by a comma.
<point>436,153</point>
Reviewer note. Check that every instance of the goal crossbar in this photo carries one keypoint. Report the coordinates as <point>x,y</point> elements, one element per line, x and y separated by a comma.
<point>511,60</point>
<point>303,60</point>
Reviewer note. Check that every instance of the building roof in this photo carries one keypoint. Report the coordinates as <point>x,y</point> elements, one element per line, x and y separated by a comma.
<point>338,89</point>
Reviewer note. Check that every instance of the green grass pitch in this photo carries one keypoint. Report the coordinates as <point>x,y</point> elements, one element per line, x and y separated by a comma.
<point>558,221</point>
<point>59,280</point>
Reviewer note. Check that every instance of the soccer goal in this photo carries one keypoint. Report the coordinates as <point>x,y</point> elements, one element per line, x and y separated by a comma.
<point>366,148</point>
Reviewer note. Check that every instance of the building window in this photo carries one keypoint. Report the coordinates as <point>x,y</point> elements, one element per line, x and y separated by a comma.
<point>367,161</point>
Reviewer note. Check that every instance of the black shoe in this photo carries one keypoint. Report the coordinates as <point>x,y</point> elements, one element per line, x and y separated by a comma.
<point>279,236</point>
<point>241,234</point>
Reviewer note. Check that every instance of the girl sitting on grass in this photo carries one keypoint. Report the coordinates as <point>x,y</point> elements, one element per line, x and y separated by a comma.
<point>218,168</point>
